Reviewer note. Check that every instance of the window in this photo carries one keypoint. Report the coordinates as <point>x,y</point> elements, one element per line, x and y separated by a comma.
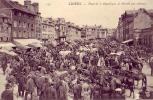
<point>20,14</point>
<point>31,25</point>
<point>20,24</point>
<point>15,23</point>
<point>29,17</point>
<point>0,39</point>
<point>15,13</point>
<point>28,25</point>
<point>7,39</point>
<point>24,25</point>
<point>5,20</point>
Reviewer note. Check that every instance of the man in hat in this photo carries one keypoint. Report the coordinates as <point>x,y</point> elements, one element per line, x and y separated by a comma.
<point>21,79</point>
<point>151,65</point>
<point>30,87</point>
<point>45,86</point>
<point>8,70</point>
<point>51,92</point>
<point>77,91</point>
<point>7,94</point>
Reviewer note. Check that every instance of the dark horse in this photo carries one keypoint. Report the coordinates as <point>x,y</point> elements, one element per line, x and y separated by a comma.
<point>142,77</point>
<point>129,82</point>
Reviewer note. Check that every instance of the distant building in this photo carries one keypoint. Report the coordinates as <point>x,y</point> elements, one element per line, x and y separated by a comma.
<point>136,25</point>
<point>73,32</point>
<point>94,32</point>
<point>23,17</point>
<point>101,32</point>
<point>110,32</point>
<point>5,28</point>
<point>61,29</point>
<point>38,26</point>
<point>48,33</point>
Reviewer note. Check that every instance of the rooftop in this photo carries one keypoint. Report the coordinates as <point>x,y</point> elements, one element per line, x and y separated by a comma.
<point>2,15</point>
<point>18,6</point>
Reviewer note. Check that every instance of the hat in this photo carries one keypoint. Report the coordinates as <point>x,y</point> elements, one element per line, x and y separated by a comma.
<point>39,66</point>
<point>7,86</point>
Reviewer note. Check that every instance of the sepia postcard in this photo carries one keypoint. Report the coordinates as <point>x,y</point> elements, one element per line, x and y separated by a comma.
<point>76,49</point>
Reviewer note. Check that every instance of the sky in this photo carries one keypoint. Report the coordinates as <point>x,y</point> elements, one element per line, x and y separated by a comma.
<point>106,13</point>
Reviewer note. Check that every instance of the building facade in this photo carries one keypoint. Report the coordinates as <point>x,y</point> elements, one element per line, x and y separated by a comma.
<point>48,33</point>
<point>94,32</point>
<point>61,29</point>
<point>111,32</point>
<point>73,32</point>
<point>23,17</point>
<point>101,32</point>
<point>5,28</point>
<point>136,25</point>
<point>38,26</point>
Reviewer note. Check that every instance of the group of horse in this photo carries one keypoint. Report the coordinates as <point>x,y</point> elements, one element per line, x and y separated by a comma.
<point>109,78</point>
<point>113,80</point>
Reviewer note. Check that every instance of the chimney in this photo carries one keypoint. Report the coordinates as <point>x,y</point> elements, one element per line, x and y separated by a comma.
<point>16,2</point>
<point>27,3</point>
<point>36,7</point>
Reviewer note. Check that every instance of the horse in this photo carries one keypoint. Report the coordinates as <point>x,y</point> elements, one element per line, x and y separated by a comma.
<point>129,82</point>
<point>105,88</point>
<point>110,86</point>
<point>140,77</point>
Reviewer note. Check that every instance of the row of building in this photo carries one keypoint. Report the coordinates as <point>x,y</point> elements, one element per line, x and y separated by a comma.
<point>136,26</point>
<point>24,21</point>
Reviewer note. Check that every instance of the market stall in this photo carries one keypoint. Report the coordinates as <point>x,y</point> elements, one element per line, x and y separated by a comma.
<point>7,45</point>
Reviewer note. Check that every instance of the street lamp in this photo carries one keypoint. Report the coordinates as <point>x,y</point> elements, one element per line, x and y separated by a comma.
<point>11,17</point>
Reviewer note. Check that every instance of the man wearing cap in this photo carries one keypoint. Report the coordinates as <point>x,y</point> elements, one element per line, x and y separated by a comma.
<point>7,94</point>
<point>77,91</point>
<point>30,87</point>
<point>51,92</point>
<point>151,65</point>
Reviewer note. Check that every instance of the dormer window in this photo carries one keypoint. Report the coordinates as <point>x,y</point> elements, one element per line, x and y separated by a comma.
<point>20,14</point>
<point>15,13</point>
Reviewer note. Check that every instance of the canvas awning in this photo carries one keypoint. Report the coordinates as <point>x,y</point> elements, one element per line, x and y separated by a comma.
<point>26,42</point>
<point>82,48</point>
<point>127,41</point>
<point>35,45</point>
<point>118,53</point>
<point>11,53</point>
<point>59,73</point>
<point>7,45</point>
<point>64,53</point>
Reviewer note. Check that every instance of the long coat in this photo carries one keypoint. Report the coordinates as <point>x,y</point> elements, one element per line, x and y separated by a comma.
<point>43,94</point>
<point>77,92</point>
<point>7,95</point>
<point>62,93</point>
<point>30,85</point>
<point>51,93</point>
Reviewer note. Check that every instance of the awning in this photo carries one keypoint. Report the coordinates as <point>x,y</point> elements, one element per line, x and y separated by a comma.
<point>127,41</point>
<point>59,73</point>
<point>23,47</point>
<point>64,53</point>
<point>35,45</point>
<point>82,48</point>
<point>26,42</point>
<point>11,53</point>
<point>7,45</point>
<point>118,53</point>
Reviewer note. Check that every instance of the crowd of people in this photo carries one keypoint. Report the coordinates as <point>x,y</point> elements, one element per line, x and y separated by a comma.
<point>82,70</point>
